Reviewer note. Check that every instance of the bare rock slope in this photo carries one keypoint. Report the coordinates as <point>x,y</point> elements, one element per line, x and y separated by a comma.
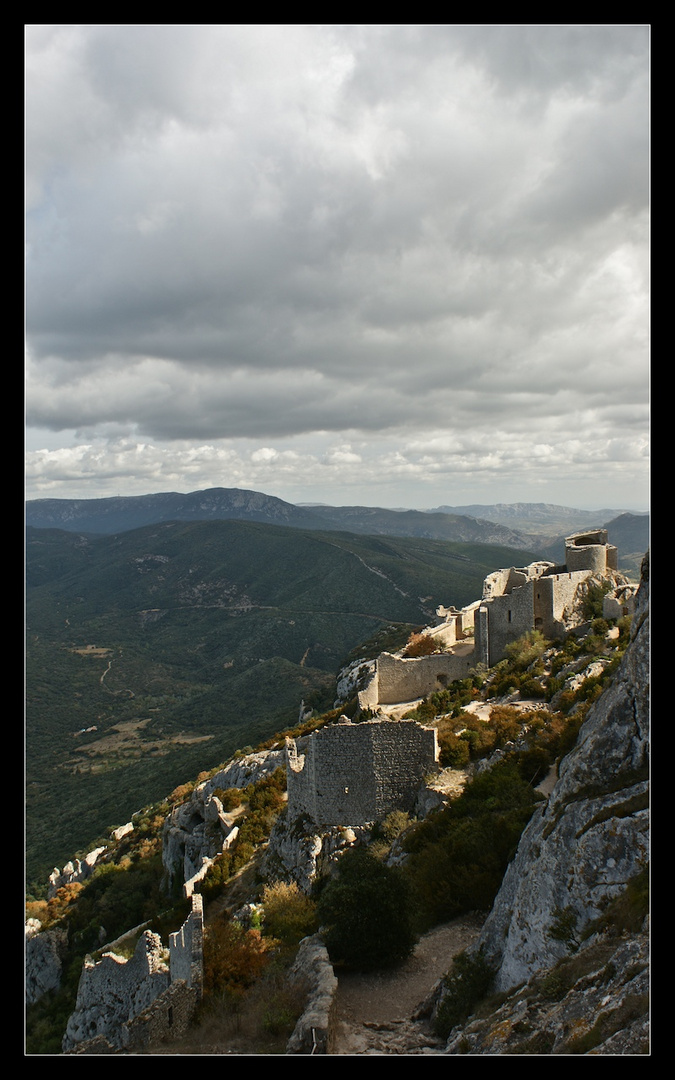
<point>591,837</point>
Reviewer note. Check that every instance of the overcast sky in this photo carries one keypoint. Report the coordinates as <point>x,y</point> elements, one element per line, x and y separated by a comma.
<point>385,265</point>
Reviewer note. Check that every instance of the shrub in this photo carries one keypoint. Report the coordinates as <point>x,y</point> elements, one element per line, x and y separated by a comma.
<point>534,764</point>
<point>592,601</point>
<point>394,824</point>
<point>233,957</point>
<point>528,648</point>
<point>421,645</point>
<point>365,914</point>
<point>564,928</point>
<point>454,752</point>
<point>458,856</point>
<point>506,722</point>
<point>289,914</point>
<point>465,985</point>
<point>230,797</point>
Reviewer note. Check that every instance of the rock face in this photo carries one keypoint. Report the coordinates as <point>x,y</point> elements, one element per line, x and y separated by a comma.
<point>596,1002</point>
<point>76,870</point>
<point>44,959</point>
<point>198,830</point>
<point>592,836</point>
<point>301,851</point>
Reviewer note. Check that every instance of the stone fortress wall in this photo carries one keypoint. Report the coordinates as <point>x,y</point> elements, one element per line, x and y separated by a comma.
<point>515,600</point>
<point>357,773</point>
<point>128,1003</point>
<point>401,678</point>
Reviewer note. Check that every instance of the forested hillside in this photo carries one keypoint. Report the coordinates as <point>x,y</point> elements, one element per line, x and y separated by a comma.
<point>158,652</point>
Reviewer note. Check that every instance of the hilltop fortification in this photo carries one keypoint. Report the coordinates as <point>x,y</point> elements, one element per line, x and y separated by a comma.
<point>351,774</point>
<point>542,596</point>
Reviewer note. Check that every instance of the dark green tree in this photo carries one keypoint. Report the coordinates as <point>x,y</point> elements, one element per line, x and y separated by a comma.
<point>365,914</point>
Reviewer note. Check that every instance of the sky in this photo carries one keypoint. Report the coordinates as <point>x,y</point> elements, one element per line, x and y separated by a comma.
<point>385,265</point>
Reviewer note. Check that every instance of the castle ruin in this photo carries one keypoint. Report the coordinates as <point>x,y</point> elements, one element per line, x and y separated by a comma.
<point>357,773</point>
<point>128,1004</point>
<point>516,600</point>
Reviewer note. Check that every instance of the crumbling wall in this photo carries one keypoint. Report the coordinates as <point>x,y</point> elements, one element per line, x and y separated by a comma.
<point>312,971</point>
<point>186,948</point>
<point>403,678</point>
<point>115,992</point>
<point>355,773</point>
<point>407,678</point>
<point>166,1020</point>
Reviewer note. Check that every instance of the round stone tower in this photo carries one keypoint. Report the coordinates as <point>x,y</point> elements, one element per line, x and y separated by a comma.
<point>590,551</point>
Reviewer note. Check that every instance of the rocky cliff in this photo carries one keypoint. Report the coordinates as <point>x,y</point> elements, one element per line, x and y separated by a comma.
<point>591,837</point>
<point>574,977</point>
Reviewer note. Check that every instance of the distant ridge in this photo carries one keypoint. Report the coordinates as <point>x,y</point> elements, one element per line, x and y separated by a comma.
<point>125,512</point>
<point>548,518</point>
<point>531,527</point>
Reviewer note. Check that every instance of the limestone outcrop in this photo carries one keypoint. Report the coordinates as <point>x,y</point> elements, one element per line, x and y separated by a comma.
<point>45,953</point>
<point>596,1002</point>
<point>75,870</point>
<point>299,851</point>
<point>199,830</point>
<point>592,836</point>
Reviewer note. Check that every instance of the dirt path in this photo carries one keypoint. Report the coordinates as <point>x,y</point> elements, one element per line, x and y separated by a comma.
<point>374,1010</point>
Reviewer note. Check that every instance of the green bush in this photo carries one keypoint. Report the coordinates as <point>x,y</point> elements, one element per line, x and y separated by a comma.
<point>230,798</point>
<point>465,985</point>
<point>528,648</point>
<point>365,914</point>
<point>458,856</point>
<point>592,602</point>
<point>454,752</point>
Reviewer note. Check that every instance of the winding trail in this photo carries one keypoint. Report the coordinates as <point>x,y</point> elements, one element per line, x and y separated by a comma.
<point>374,1011</point>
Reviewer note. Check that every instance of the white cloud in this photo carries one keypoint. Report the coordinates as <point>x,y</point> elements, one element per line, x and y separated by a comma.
<point>295,252</point>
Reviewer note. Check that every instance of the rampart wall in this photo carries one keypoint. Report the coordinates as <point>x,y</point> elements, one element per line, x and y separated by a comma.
<point>115,992</point>
<point>186,948</point>
<point>350,774</point>
<point>400,678</point>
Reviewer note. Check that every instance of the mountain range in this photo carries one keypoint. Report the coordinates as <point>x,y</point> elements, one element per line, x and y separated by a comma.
<point>538,527</point>
<point>168,630</point>
<point>179,642</point>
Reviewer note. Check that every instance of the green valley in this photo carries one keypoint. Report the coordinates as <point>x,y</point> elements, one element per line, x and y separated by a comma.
<point>158,652</point>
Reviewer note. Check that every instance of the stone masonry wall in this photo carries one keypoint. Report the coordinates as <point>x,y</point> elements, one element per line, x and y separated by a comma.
<point>166,1020</point>
<point>407,678</point>
<point>186,948</point>
<point>115,992</point>
<point>351,774</point>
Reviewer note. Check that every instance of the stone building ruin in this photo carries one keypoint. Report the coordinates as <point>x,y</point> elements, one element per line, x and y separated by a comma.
<point>542,596</point>
<point>128,1004</point>
<point>352,774</point>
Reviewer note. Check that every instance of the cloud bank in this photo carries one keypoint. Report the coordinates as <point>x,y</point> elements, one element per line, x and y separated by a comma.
<point>403,265</point>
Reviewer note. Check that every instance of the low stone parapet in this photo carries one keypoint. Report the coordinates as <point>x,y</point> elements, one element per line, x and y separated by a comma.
<point>314,1032</point>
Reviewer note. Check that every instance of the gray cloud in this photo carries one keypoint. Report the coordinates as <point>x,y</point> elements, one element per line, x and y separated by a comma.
<point>268,233</point>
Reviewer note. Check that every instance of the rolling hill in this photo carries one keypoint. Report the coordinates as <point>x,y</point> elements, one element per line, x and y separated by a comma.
<point>159,651</point>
